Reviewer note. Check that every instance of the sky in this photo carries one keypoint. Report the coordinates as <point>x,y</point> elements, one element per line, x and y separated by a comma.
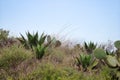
<point>80,20</point>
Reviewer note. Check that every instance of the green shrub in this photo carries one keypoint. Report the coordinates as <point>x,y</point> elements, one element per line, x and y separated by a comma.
<point>50,72</point>
<point>13,56</point>
<point>47,71</point>
<point>57,56</point>
<point>4,40</point>
<point>3,34</point>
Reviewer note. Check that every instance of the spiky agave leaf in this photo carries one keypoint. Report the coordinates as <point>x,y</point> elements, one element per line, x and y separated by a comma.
<point>93,64</point>
<point>29,36</point>
<point>32,39</point>
<point>92,46</point>
<point>85,60</point>
<point>89,47</point>
<point>82,59</point>
<point>35,39</point>
<point>40,51</point>
<point>42,39</point>
<point>24,41</point>
<point>85,45</point>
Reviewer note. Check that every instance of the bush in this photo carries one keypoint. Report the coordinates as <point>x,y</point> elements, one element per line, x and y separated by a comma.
<point>3,34</point>
<point>13,56</point>
<point>50,72</point>
<point>47,71</point>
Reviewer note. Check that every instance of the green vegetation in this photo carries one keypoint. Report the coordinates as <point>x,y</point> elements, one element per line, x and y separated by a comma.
<point>89,47</point>
<point>3,34</point>
<point>5,40</point>
<point>117,44</point>
<point>100,53</point>
<point>45,58</point>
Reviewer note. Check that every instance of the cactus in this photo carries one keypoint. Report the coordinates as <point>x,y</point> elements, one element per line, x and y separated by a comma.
<point>53,41</point>
<point>57,43</point>
<point>99,53</point>
<point>112,61</point>
<point>49,39</point>
<point>117,44</point>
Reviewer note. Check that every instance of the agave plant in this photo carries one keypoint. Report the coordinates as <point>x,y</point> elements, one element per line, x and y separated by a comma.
<point>89,47</point>
<point>32,40</point>
<point>35,43</point>
<point>40,51</point>
<point>41,47</point>
<point>86,61</point>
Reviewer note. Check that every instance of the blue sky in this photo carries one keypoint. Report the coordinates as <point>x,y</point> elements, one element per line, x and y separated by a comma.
<point>90,20</point>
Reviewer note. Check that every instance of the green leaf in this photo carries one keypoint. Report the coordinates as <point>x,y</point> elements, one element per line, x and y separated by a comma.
<point>42,39</point>
<point>40,51</point>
